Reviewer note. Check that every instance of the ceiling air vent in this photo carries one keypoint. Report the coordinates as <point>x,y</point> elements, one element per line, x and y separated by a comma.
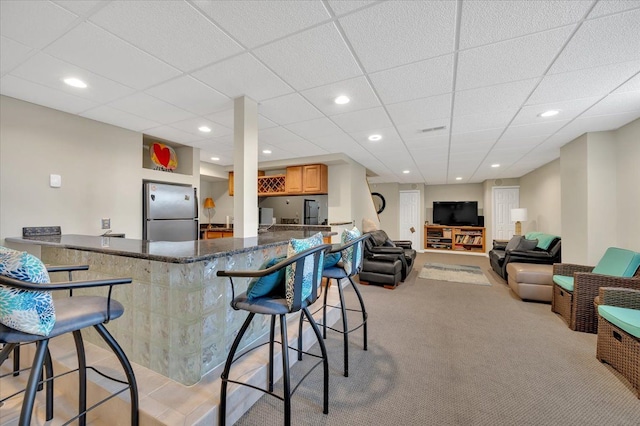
<point>432,129</point>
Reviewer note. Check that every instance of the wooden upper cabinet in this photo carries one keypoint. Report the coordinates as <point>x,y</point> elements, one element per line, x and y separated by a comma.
<point>293,181</point>
<point>307,179</point>
<point>260,173</point>
<point>314,179</point>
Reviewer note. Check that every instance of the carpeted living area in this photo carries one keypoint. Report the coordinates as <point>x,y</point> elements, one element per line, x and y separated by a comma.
<point>459,355</point>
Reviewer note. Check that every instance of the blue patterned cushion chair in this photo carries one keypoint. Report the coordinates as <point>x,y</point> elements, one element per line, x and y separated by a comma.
<point>351,254</point>
<point>298,290</point>
<point>576,286</point>
<point>31,315</point>
<point>619,332</point>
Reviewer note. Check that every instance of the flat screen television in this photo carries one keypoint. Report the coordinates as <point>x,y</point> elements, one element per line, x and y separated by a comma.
<point>455,213</point>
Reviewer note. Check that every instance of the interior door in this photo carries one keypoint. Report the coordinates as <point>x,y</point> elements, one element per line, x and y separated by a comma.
<point>410,217</point>
<point>504,199</point>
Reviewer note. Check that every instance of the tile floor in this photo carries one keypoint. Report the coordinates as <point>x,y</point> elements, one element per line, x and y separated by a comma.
<point>162,400</point>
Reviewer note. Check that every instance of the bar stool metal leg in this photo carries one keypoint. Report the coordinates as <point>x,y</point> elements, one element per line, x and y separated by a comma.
<point>32,384</point>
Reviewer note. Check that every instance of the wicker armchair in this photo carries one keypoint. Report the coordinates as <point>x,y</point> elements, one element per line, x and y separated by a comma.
<point>616,346</point>
<point>576,307</point>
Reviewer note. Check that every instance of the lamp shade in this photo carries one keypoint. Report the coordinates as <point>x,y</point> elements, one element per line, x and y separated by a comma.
<point>208,203</point>
<point>518,215</point>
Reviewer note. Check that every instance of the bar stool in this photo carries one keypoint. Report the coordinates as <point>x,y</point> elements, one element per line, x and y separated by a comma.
<point>71,315</point>
<point>277,305</point>
<point>350,266</point>
<point>48,364</point>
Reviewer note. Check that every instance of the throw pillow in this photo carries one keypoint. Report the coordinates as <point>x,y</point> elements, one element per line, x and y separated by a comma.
<point>28,311</point>
<point>525,244</point>
<point>297,246</point>
<point>369,225</point>
<point>347,254</point>
<point>331,260</point>
<point>513,242</point>
<point>264,286</point>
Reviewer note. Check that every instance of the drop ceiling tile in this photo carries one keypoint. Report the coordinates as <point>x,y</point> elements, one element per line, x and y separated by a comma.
<point>493,98</point>
<point>483,22</point>
<point>602,41</point>
<point>616,104</point>
<point>288,109</point>
<point>12,53</point>
<point>389,138</point>
<point>254,23</point>
<point>301,148</point>
<point>340,7</point>
<point>315,128</point>
<point>413,81</point>
<point>243,75</point>
<point>278,136</point>
<point>151,108</point>
<point>316,57</point>
<point>521,144</point>
<point>568,110</point>
<point>414,130</point>
<point>42,95</point>
<point>630,86</point>
<point>436,141</point>
<point>191,125</point>
<point>334,143</point>
<point>511,60</point>
<point>358,121</point>
<point>357,89</point>
<point>188,93</point>
<point>96,50</point>
<point>172,134</point>
<point>169,30</point>
<point>379,34</point>
<point>536,129</point>
<point>46,22</point>
<point>582,84</point>
<point>82,7</point>
<point>479,122</point>
<point>421,110</point>
<point>109,115</point>
<point>606,7</point>
<point>600,123</point>
<point>485,136</point>
<point>49,71</point>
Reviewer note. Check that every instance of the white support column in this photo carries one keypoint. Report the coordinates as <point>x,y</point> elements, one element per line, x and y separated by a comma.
<point>245,167</point>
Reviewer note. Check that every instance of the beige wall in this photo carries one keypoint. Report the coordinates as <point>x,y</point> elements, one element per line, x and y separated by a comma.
<point>389,218</point>
<point>628,186</point>
<point>540,195</point>
<point>100,165</point>
<point>573,178</point>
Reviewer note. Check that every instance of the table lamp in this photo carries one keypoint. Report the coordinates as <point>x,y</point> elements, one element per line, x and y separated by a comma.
<point>518,215</point>
<point>209,204</point>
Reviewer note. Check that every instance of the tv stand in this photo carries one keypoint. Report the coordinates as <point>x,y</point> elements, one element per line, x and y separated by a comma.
<point>458,238</point>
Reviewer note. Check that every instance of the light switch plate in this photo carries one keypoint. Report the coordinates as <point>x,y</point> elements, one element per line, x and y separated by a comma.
<point>55,181</point>
<point>106,223</point>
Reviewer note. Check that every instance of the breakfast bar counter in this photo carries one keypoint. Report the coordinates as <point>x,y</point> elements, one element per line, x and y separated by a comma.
<point>178,320</point>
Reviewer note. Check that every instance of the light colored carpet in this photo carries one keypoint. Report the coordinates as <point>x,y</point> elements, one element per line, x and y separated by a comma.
<point>467,274</point>
<point>459,355</point>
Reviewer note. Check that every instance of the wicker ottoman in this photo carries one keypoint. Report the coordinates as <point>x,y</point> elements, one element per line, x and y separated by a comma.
<point>531,281</point>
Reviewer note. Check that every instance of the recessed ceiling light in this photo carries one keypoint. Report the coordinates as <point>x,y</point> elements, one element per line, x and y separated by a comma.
<point>406,172</point>
<point>341,100</point>
<point>75,82</point>
<point>374,138</point>
<point>495,165</point>
<point>458,178</point>
<point>204,129</point>
<point>266,151</point>
<point>215,158</point>
<point>549,113</point>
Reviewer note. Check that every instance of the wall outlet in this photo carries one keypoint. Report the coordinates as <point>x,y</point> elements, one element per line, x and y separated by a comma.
<point>106,223</point>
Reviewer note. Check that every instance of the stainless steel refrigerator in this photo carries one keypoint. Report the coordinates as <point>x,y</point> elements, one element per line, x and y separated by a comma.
<point>311,212</point>
<point>170,212</point>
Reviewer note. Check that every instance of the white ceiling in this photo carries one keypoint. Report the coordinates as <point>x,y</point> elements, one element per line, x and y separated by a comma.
<point>482,69</point>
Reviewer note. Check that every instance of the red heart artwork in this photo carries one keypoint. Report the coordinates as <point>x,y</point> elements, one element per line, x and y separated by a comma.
<point>162,154</point>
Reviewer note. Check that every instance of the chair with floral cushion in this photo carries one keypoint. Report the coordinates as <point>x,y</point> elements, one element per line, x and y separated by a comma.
<point>346,265</point>
<point>301,279</point>
<point>29,314</point>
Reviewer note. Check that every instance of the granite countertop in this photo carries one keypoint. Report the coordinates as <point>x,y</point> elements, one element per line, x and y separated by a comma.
<point>171,252</point>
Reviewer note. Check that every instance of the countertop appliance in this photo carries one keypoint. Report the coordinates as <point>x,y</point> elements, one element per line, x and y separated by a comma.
<point>170,212</point>
<point>311,212</point>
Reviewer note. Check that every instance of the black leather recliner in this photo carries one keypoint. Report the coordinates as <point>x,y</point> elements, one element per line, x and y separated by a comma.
<point>381,255</point>
<point>500,257</point>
